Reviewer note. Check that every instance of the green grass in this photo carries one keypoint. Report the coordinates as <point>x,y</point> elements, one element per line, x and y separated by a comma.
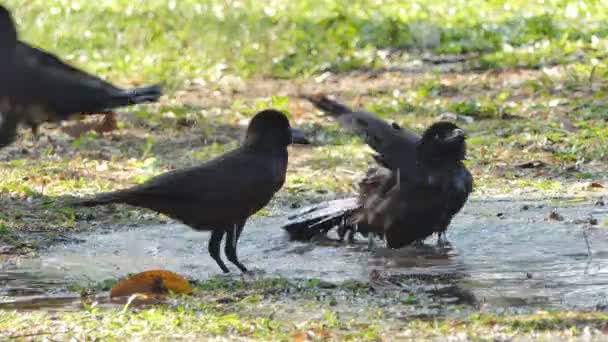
<point>180,41</point>
<point>286,310</point>
<point>197,320</point>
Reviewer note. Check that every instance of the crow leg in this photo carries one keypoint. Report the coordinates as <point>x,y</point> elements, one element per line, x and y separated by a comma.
<point>232,239</point>
<point>342,229</point>
<point>214,248</point>
<point>35,115</point>
<point>418,243</point>
<point>442,240</point>
<point>351,236</point>
<point>8,127</point>
<point>370,241</point>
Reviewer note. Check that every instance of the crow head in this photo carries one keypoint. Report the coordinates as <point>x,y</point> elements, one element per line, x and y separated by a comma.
<point>443,143</point>
<point>271,128</point>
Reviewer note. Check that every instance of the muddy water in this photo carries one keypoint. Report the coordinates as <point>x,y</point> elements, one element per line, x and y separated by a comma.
<point>503,254</point>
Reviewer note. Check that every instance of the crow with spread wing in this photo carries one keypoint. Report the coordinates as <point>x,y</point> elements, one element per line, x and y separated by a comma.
<point>420,182</point>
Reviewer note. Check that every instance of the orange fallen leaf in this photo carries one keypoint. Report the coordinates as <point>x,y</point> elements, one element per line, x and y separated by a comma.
<point>311,335</point>
<point>300,337</point>
<point>596,185</point>
<point>324,333</point>
<point>152,283</point>
<point>108,124</point>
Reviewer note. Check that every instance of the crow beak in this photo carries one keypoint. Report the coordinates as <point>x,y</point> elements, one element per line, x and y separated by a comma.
<point>456,135</point>
<point>298,137</point>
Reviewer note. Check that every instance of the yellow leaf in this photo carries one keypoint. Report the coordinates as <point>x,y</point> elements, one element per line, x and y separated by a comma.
<point>152,283</point>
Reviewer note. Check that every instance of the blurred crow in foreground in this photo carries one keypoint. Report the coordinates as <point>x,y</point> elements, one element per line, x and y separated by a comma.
<point>222,193</point>
<point>8,127</point>
<point>419,185</point>
<point>39,87</point>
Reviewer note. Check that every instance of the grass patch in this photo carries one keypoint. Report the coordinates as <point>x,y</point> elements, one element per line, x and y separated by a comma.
<point>189,41</point>
<point>196,320</point>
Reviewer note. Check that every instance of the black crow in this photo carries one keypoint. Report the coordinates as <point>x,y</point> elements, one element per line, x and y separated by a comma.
<point>222,193</point>
<point>8,125</point>
<point>41,87</point>
<point>420,184</point>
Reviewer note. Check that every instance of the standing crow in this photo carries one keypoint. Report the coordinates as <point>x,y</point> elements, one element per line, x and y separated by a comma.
<point>40,87</point>
<point>420,184</point>
<point>222,193</point>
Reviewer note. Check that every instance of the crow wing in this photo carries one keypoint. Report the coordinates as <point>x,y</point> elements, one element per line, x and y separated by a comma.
<point>394,145</point>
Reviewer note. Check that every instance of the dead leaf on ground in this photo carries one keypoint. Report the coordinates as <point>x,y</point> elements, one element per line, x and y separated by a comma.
<point>299,337</point>
<point>311,335</point>
<point>152,283</point>
<point>108,124</point>
<point>77,129</point>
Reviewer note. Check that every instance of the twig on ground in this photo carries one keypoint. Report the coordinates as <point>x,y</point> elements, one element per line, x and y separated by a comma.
<point>589,254</point>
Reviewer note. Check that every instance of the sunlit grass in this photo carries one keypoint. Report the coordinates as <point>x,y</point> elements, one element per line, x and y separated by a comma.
<point>193,41</point>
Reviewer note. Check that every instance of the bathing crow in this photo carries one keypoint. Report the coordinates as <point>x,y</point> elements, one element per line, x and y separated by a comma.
<point>41,87</point>
<point>222,193</point>
<point>418,186</point>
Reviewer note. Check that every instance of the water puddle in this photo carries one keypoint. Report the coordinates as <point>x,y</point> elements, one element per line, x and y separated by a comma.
<point>503,254</point>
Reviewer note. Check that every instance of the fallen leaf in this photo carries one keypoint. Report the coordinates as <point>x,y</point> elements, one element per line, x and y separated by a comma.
<point>324,333</point>
<point>311,335</point>
<point>108,124</point>
<point>152,283</point>
<point>300,337</point>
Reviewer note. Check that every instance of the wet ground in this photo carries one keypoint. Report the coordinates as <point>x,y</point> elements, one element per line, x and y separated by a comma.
<point>512,255</point>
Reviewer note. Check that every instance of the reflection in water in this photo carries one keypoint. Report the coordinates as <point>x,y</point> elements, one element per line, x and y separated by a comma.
<point>432,273</point>
<point>516,259</point>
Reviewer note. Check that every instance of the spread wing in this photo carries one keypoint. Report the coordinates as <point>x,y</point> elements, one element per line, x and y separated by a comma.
<point>395,146</point>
